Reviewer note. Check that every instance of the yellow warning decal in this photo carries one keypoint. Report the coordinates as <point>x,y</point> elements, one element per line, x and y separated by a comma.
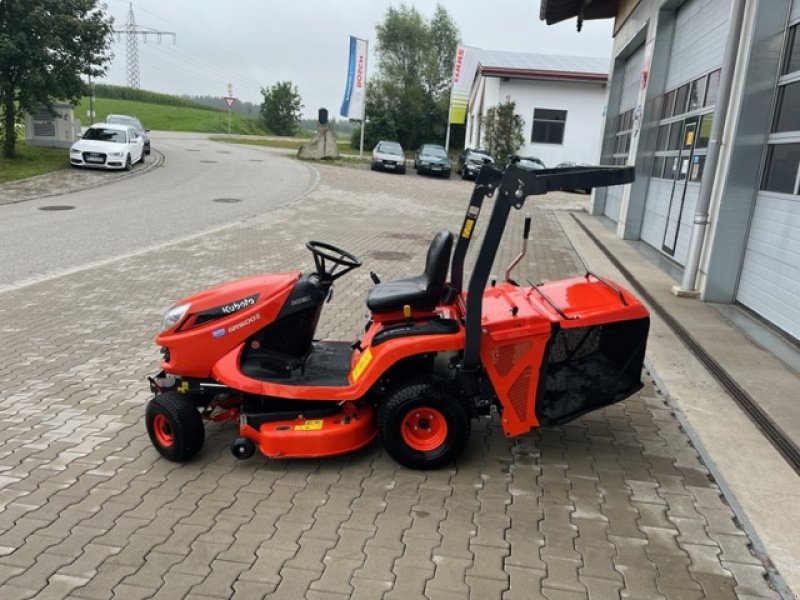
<point>309,425</point>
<point>361,365</point>
<point>468,225</point>
<point>183,387</point>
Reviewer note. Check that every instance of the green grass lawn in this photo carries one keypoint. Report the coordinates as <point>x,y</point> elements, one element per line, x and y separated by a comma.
<point>162,117</point>
<point>32,160</point>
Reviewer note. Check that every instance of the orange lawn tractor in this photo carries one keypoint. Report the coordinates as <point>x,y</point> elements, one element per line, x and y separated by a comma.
<point>431,357</point>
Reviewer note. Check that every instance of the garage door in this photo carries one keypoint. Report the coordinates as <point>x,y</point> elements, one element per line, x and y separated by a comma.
<point>770,279</point>
<point>698,44</point>
<point>630,93</point>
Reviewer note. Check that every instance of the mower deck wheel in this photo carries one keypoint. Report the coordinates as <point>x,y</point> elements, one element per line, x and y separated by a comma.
<point>424,425</point>
<point>175,426</point>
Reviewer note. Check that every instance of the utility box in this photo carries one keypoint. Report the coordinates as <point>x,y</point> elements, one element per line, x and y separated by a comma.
<point>56,129</point>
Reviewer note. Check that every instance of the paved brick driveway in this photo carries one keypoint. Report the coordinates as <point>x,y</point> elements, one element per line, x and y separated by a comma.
<point>616,504</point>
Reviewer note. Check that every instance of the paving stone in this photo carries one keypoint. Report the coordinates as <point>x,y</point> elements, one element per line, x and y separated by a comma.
<point>673,573</point>
<point>337,576</point>
<point>640,582</point>
<point>409,583</point>
<point>178,585</point>
<point>598,588</point>
<point>562,574</point>
<point>750,580</point>
<point>369,589</point>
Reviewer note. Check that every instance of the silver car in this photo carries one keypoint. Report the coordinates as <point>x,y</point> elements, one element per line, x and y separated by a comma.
<point>388,156</point>
<point>136,124</point>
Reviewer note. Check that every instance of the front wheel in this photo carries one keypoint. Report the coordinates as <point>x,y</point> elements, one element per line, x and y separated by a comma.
<point>128,163</point>
<point>175,426</point>
<point>424,425</point>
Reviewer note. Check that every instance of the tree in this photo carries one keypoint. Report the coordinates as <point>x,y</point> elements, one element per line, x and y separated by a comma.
<point>503,132</point>
<point>408,98</point>
<point>281,108</point>
<point>45,48</point>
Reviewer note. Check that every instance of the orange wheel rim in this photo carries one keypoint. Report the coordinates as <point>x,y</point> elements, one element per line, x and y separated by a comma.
<point>424,429</point>
<point>162,431</point>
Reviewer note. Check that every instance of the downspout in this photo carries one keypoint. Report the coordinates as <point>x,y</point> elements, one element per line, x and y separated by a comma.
<point>701,216</point>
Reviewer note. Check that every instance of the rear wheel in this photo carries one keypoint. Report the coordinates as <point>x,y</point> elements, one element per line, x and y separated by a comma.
<point>424,425</point>
<point>174,426</point>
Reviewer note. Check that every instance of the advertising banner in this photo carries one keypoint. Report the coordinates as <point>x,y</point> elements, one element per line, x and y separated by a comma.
<point>463,74</point>
<point>355,88</point>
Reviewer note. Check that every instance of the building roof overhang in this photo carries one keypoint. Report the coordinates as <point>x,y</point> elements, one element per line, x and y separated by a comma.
<point>555,11</point>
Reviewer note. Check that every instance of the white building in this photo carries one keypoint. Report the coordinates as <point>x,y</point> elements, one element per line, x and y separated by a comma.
<point>733,230</point>
<point>560,98</point>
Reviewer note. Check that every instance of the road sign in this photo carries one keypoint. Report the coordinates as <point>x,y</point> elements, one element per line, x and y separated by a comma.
<point>230,101</point>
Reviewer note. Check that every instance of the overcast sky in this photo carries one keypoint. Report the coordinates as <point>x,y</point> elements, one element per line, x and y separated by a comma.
<point>256,43</point>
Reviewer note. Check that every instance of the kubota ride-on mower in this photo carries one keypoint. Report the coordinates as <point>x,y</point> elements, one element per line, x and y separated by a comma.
<point>432,355</point>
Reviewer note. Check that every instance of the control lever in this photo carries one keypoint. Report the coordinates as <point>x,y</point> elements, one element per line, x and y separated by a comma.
<point>375,279</point>
<point>526,231</point>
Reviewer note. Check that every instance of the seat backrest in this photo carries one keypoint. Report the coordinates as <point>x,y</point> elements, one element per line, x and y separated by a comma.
<point>438,262</point>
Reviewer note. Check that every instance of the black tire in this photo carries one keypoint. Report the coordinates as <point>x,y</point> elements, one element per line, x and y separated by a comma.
<point>174,426</point>
<point>402,171</point>
<point>128,164</point>
<point>465,174</point>
<point>423,425</point>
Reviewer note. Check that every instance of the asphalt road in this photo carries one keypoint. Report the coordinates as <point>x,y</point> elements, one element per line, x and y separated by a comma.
<point>201,187</point>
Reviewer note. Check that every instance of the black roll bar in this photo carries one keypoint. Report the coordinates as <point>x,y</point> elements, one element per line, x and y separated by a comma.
<point>515,185</point>
<point>485,184</point>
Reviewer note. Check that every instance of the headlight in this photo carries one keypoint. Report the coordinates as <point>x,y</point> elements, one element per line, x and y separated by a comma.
<point>74,151</point>
<point>115,153</point>
<point>173,315</point>
<point>425,163</point>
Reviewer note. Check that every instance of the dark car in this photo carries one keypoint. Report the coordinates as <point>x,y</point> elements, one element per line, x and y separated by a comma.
<point>470,162</point>
<point>388,156</point>
<point>567,164</point>
<point>136,124</point>
<point>432,159</point>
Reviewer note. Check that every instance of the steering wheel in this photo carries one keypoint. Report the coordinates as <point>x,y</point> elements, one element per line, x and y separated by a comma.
<point>327,252</point>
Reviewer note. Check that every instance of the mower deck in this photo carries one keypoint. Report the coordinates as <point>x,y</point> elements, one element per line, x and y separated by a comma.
<point>351,428</point>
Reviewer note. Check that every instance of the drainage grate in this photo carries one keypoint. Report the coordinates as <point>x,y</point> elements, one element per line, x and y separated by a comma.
<point>256,160</point>
<point>388,255</point>
<point>57,207</point>
<point>208,161</point>
<point>227,200</point>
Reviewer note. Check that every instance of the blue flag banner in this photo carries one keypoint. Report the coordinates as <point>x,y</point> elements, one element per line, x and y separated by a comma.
<point>355,87</point>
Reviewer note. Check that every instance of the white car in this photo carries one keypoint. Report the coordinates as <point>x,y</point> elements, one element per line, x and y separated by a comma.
<point>108,146</point>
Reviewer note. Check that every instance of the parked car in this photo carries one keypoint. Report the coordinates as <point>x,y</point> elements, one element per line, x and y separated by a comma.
<point>108,146</point>
<point>432,159</point>
<point>136,124</point>
<point>567,164</point>
<point>470,161</point>
<point>388,156</point>
<point>528,162</point>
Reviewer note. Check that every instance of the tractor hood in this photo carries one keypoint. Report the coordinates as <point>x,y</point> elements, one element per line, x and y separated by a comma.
<point>227,299</point>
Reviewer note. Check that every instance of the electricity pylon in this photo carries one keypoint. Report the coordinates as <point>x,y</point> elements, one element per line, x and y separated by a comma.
<point>132,32</point>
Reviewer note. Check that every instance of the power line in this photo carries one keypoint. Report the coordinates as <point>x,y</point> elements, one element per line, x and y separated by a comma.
<point>132,31</point>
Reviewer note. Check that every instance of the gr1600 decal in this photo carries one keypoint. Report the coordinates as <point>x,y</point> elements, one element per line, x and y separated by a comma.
<point>225,309</point>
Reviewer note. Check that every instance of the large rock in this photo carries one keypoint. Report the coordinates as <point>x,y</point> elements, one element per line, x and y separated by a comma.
<point>321,146</point>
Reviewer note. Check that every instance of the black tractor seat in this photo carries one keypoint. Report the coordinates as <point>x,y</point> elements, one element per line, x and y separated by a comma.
<point>422,292</point>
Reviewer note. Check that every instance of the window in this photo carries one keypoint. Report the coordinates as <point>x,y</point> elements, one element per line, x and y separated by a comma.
<point>782,167</point>
<point>713,86</point>
<point>682,142</point>
<point>782,163</point>
<point>548,126</point>
<point>787,115</point>
<point>619,141</point>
